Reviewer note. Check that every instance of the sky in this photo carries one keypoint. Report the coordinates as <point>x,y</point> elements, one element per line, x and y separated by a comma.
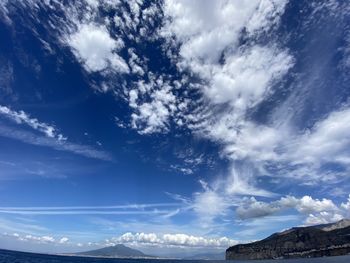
<point>173,127</point>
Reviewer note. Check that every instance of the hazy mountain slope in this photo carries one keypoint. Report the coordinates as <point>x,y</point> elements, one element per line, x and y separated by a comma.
<point>115,251</point>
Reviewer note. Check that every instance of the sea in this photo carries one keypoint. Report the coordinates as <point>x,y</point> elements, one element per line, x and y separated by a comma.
<point>23,257</point>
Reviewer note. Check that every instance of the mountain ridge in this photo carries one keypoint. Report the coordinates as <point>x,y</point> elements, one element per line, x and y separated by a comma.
<point>297,242</point>
<point>116,251</point>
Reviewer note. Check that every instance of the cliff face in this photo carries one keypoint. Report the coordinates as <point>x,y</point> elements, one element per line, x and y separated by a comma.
<point>316,241</point>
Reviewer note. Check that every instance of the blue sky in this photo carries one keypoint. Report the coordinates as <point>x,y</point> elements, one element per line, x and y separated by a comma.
<point>171,126</point>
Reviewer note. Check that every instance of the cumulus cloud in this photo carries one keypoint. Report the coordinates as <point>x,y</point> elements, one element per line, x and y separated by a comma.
<point>253,208</point>
<point>268,13</point>
<point>245,77</point>
<point>323,218</point>
<point>205,29</point>
<point>316,211</point>
<point>172,240</point>
<point>97,49</point>
<point>245,74</point>
<point>154,103</point>
<point>309,205</point>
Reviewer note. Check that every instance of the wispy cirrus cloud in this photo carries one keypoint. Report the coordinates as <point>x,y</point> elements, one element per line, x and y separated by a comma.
<point>17,225</point>
<point>52,139</point>
<point>21,117</point>
<point>31,138</point>
<point>129,209</point>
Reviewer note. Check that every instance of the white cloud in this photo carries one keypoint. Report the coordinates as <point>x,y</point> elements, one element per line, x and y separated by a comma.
<point>153,103</point>
<point>164,209</point>
<point>323,218</point>
<point>238,78</point>
<point>22,117</point>
<point>45,239</point>
<point>16,225</point>
<point>209,205</point>
<point>97,49</point>
<point>135,22</point>
<point>172,240</point>
<point>217,199</point>
<point>316,211</point>
<point>309,205</point>
<point>301,156</point>
<point>93,3</point>
<point>240,181</point>
<point>346,205</point>
<point>327,141</point>
<point>208,30</point>
<point>246,76</point>
<point>53,139</point>
<point>135,63</point>
<point>234,78</point>
<point>63,240</point>
<point>181,169</point>
<point>267,13</point>
<point>205,29</point>
<point>254,208</point>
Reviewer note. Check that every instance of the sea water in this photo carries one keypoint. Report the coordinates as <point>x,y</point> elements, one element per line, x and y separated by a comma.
<point>21,257</point>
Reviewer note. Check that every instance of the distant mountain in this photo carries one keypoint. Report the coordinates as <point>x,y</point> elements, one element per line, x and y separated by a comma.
<point>298,242</point>
<point>207,256</point>
<point>118,251</point>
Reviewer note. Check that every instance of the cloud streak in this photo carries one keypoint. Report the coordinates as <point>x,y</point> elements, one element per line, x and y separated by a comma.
<point>31,138</point>
<point>129,209</point>
<point>38,239</point>
<point>21,117</point>
<point>52,138</point>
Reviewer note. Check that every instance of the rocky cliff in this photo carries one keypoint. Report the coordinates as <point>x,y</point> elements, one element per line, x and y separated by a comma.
<point>315,241</point>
